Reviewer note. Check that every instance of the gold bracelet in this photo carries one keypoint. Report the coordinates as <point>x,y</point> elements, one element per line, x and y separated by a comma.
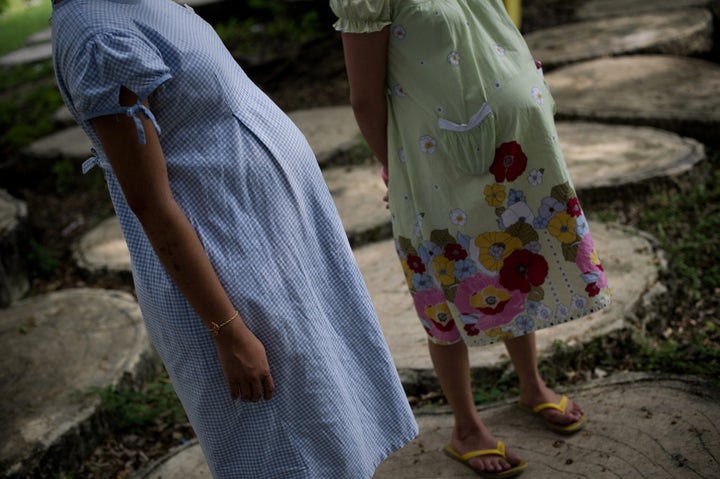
<point>215,327</point>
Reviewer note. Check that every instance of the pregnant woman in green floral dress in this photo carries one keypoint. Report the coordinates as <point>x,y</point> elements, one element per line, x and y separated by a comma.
<point>488,228</point>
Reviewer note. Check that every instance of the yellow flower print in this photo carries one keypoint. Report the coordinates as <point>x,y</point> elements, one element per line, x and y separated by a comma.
<point>494,247</point>
<point>498,334</point>
<point>594,258</point>
<point>489,298</point>
<point>440,313</point>
<point>562,226</point>
<point>444,269</point>
<point>495,194</point>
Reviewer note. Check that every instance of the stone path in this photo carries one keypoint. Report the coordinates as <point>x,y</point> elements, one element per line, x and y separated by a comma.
<point>56,349</point>
<point>642,426</point>
<point>594,9</point>
<point>677,94</point>
<point>673,32</point>
<point>13,235</point>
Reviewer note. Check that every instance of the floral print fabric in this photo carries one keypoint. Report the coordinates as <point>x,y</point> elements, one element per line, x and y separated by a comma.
<point>490,234</point>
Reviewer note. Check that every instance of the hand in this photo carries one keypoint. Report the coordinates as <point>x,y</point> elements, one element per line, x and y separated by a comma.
<point>244,363</point>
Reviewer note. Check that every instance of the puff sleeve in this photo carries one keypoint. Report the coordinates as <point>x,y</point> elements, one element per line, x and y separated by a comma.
<point>108,62</point>
<point>361,16</point>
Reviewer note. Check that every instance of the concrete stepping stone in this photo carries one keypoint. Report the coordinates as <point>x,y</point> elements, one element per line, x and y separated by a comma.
<point>594,9</point>
<point>102,251</point>
<point>43,36</point>
<point>14,235</point>
<point>673,93</point>
<point>674,32</point>
<point>356,189</point>
<point>56,349</point>
<point>28,54</point>
<point>640,426</point>
<point>628,163</point>
<point>331,132</point>
<point>70,143</point>
<point>629,259</point>
<point>358,193</point>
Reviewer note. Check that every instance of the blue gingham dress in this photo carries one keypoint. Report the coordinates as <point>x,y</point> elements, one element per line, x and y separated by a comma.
<point>249,183</point>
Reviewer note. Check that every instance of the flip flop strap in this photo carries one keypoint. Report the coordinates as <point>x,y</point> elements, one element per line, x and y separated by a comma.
<point>549,405</point>
<point>500,451</point>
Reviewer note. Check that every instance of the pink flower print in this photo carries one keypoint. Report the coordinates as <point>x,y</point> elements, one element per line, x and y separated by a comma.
<point>484,298</point>
<point>433,309</point>
<point>588,262</point>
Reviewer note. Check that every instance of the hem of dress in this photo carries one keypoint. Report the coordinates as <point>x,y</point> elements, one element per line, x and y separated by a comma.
<point>394,447</point>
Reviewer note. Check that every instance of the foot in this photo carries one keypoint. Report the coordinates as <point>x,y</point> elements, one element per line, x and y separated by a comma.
<point>479,440</point>
<point>543,394</point>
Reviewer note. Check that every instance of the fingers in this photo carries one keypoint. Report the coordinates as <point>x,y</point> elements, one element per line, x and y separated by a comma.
<point>268,387</point>
<point>253,391</point>
<point>234,389</point>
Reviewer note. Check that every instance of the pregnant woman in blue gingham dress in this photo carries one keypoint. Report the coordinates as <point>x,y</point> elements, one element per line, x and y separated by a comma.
<point>231,231</point>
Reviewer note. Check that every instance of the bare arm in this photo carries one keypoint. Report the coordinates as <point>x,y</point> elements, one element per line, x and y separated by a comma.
<point>366,64</point>
<point>142,174</point>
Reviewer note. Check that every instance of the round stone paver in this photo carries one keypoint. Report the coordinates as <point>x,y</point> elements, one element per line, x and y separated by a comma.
<point>71,143</point>
<point>358,193</point>
<point>609,162</point>
<point>13,273</point>
<point>356,189</point>
<point>668,92</point>
<point>29,54</point>
<point>56,349</point>
<point>641,426</point>
<point>674,32</point>
<point>629,259</point>
<point>329,130</point>
<point>103,250</point>
<point>593,9</point>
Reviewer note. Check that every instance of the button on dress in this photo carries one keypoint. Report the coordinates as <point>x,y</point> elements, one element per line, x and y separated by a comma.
<point>250,185</point>
<point>489,231</point>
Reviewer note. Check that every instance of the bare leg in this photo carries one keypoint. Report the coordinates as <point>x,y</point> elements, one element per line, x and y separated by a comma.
<point>533,391</point>
<point>452,367</point>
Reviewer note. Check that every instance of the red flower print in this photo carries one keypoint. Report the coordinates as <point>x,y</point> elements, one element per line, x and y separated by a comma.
<point>509,162</point>
<point>471,330</point>
<point>415,264</point>
<point>573,207</point>
<point>455,252</point>
<point>592,289</point>
<point>522,270</point>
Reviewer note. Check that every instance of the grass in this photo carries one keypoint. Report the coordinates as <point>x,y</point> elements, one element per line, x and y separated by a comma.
<point>21,20</point>
<point>133,410</point>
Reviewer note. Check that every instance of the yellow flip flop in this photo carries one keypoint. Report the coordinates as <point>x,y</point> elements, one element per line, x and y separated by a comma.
<point>571,428</point>
<point>498,451</point>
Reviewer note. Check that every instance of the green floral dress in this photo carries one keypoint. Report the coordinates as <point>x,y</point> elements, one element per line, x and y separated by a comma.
<point>487,224</point>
